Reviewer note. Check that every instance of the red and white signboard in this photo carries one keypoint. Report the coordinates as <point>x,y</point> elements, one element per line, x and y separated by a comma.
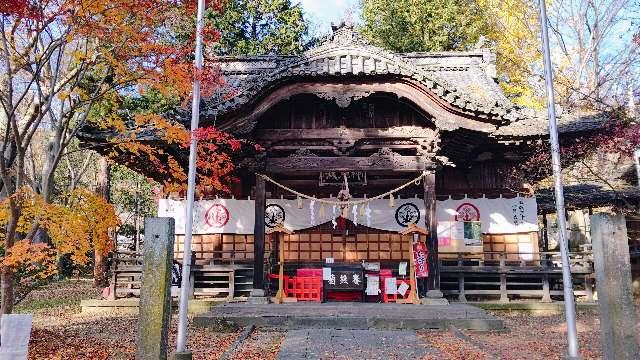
<point>420,258</point>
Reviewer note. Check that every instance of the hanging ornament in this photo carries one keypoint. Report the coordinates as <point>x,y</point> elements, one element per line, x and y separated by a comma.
<point>322,213</point>
<point>344,195</point>
<point>354,213</point>
<point>299,202</point>
<point>312,212</point>
<point>333,219</point>
<point>345,212</point>
<point>367,213</point>
<point>392,201</point>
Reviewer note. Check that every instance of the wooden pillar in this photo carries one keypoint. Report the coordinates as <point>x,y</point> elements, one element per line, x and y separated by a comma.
<point>279,238</point>
<point>545,234</point>
<point>258,233</point>
<point>461,295</point>
<point>504,297</point>
<point>433,281</point>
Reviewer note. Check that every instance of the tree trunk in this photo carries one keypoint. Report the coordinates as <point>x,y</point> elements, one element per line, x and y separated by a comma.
<point>100,268</point>
<point>7,284</point>
<point>7,277</point>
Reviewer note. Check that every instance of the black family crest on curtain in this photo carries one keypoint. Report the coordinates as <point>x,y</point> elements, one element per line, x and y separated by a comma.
<point>273,215</point>
<point>407,214</point>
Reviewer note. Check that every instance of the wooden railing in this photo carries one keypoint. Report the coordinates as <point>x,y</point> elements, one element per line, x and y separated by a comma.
<point>223,276</point>
<point>480,275</point>
<point>509,275</point>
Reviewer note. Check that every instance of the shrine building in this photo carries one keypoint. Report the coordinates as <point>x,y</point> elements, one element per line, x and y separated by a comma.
<point>377,165</point>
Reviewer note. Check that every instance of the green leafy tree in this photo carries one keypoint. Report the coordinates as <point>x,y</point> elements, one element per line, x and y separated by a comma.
<point>259,27</point>
<point>424,25</point>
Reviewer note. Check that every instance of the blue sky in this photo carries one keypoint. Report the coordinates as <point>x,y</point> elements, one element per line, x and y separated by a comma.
<point>321,13</point>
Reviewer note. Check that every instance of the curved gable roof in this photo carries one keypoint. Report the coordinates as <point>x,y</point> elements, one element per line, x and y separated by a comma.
<point>460,79</point>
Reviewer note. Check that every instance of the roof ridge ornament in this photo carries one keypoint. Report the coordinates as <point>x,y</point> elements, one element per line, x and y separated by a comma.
<point>344,34</point>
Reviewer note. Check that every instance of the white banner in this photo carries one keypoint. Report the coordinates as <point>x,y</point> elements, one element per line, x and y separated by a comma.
<point>497,216</point>
<point>221,216</point>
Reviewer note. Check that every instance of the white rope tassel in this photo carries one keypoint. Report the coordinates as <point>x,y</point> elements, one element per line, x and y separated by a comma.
<point>392,201</point>
<point>322,214</point>
<point>333,219</point>
<point>354,212</point>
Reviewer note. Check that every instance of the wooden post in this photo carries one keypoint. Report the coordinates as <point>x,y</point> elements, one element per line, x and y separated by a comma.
<point>114,278</point>
<point>461,296</point>
<point>278,233</point>
<point>258,242</point>
<point>504,296</point>
<point>280,294</point>
<point>433,281</point>
<point>545,234</point>
<point>588,287</point>
<point>232,285</point>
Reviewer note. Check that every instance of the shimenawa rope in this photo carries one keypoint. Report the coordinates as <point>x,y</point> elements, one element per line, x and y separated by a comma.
<point>343,203</point>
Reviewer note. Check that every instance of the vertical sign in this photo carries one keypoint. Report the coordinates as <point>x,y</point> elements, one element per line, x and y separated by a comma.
<point>420,257</point>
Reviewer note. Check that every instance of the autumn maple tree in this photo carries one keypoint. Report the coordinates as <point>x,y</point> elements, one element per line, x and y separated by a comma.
<point>66,65</point>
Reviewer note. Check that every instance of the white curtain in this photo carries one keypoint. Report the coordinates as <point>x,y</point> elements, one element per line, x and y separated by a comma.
<point>497,216</point>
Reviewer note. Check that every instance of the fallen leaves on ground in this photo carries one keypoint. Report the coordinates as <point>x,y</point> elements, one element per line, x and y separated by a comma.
<point>260,345</point>
<point>60,331</point>
<point>451,347</point>
<point>541,337</point>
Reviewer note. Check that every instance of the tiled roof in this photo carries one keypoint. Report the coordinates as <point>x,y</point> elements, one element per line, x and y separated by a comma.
<point>463,79</point>
<point>592,195</point>
<point>538,125</point>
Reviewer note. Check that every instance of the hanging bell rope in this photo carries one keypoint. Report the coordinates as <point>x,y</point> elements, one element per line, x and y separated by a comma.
<point>342,203</point>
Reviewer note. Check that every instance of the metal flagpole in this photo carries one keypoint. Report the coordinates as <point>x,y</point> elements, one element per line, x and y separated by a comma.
<point>181,346</point>
<point>569,305</point>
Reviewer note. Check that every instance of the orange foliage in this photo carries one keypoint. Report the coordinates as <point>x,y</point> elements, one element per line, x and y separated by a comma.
<point>76,227</point>
<point>34,262</point>
<point>215,152</point>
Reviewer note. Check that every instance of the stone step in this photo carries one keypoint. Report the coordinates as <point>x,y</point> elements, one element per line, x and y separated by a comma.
<point>352,316</point>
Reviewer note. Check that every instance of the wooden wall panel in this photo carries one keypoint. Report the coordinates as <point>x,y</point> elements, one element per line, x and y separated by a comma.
<point>512,243</point>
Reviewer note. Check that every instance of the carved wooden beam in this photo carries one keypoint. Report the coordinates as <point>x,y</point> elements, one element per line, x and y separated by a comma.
<point>398,132</point>
<point>396,163</point>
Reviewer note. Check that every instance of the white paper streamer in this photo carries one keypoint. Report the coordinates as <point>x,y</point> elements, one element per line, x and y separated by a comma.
<point>312,212</point>
<point>354,212</point>
<point>367,213</point>
<point>333,219</point>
